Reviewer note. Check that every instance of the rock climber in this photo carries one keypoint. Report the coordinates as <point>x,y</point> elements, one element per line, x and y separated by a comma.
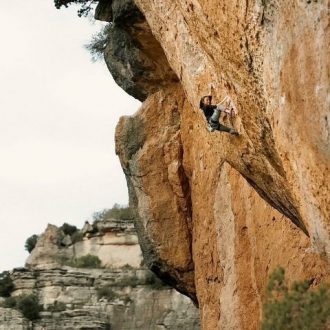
<point>212,114</point>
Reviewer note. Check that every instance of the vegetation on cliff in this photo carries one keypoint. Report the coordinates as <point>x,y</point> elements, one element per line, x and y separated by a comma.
<point>87,261</point>
<point>96,46</point>
<point>31,242</point>
<point>298,307</point>
<point>75,234</point>
<point>116,212</point>
<point>28,305</point>
<point>85,6</point>
<point>6,284</point>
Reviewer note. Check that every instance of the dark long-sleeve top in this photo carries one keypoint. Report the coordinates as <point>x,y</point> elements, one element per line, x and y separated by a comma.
<point>208,110</point>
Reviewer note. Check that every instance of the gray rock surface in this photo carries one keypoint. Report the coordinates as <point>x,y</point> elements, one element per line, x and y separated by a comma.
<point>133,298</point>
<point>129,54</point>
<point>10,319</point>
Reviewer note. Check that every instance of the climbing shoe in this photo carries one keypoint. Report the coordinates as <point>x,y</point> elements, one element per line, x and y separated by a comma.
<point>210,128</point>
<point>233,132</point>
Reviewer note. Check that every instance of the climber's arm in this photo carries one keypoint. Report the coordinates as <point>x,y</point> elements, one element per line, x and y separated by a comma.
<point>211,88</point>
<point>222,108</point>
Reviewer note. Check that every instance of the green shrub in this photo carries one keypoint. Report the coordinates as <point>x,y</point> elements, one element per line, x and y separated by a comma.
<point>10,302</point>
<point>107,293</point>
<point>127,267</point>
<point>155,283</point>
<point>6,284</point>
<point>299,307</point>
<point>87,261</point>
<point>77,236</point>
<point>98,43</point>
<point>31,242</point>
<point>116,212</point>
<point>132,281</point>
<point>107,326</point>
<point>85,6</point>
<point>68,229</point>
<point>29,306</point>
<point>57,307</point>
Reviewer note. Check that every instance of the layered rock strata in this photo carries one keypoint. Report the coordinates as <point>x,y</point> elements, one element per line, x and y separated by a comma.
<point>133,304</point>
<point>123,295</point>
<point>216,213</point>
<point>114,241</point>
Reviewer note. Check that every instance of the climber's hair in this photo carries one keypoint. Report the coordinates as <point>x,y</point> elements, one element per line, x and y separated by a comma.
<point>201,102</point>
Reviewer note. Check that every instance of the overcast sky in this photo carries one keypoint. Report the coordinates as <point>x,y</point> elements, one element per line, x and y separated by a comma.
<point>58,116</point>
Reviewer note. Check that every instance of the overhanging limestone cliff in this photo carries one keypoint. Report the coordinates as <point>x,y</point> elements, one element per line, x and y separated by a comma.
<point>205,229</point>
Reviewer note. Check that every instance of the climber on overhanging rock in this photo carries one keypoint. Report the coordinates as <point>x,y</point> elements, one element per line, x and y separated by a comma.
<point>212,114</point>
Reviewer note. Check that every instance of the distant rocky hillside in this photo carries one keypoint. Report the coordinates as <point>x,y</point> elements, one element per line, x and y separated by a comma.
<point>121,295</point>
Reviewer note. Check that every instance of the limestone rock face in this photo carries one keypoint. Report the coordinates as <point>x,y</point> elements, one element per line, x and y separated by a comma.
<point>218,213</point>
<point>11,319</point>
<point>132,304</point>
<point>114,241</point>
<point>132,52</point>
<point>122,295</point>
<point>153,160</point>
<point>274,71</point>
<point>47,252</point>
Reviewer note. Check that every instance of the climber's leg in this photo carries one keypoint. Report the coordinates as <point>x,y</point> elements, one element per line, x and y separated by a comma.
<point>213,126</point>
<point>213,123</point>
<point>215,117</point>
<point>224,128</point>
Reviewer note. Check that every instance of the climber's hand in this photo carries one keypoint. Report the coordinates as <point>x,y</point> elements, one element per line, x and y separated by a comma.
<point>233,112</point>
<point>211,86</point>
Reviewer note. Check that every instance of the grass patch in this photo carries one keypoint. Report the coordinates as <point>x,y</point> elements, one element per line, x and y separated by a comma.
<point>87,261</point>
<point>132,281</point>
<point>116,212</point>
<point>56,307</point>
<point>106,292</point>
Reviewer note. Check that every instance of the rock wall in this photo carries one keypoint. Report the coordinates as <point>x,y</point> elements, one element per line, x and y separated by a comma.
<point>114,241</point>
<point>10,319</point>
<point>121,295</point>
<point>217,213</point>
<point>134,304</point>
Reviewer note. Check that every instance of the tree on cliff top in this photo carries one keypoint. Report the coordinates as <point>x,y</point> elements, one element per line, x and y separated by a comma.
<point>31,242</point>
<point>98,43</point>
<point>85,6</point>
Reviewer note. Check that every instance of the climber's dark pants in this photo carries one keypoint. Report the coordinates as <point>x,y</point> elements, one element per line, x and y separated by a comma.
<point>223,128</point>
<point>214,122</point>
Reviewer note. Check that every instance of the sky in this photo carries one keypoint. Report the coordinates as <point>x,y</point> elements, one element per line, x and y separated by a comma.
<point>58,113</point>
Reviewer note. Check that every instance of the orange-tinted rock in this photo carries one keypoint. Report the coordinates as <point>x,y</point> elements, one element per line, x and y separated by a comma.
<point>271,58</point>
<point>218,213</point>
<point>149,146</point>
